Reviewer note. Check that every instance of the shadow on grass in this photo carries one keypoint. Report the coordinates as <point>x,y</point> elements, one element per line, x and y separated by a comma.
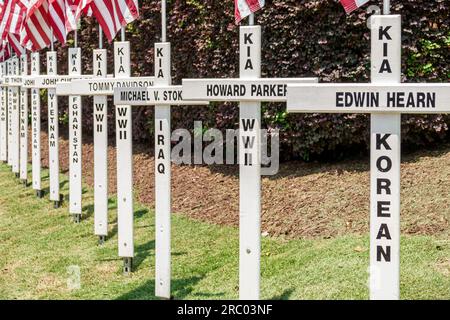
<point>142,252</point>
<point>180,289</point>
<point>140,213</point>
<point>88,210</point>
<point>62,184</point>
<point>284,295</point>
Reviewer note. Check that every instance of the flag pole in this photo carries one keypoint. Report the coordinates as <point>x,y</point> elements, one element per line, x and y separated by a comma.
<point>100,37</point>
<point>386,7</point>
<point>52,47</point>
<point>251,19</point>
<point>163,21</point>
<point>75,42</point>
<point>122,34</point>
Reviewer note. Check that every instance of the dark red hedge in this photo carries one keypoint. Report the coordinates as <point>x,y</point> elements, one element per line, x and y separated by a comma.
<point>301,38</point>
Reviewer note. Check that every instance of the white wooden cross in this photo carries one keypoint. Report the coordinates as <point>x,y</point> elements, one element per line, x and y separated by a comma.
<point>385,99</point>
<point>49,82</point>
<point>36,127</point>
<point>104,87</point>
<point>75,140</point>
<point>3,113</point>
<point>13,82</point>
<point>100,150</point>
<point>23,117</point>
<point>249,90</point>
<point>53,132</point>
<point>163,95</point>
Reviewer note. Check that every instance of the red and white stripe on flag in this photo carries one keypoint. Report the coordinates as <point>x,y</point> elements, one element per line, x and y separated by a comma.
<point>12,17</point>
<point>37,24</point>
<point>114,14</point>
<point>57,11</point>
<point>352,5</point>
<point>243,8</point>
<point>5,53</point>
<point>14,41</point>
<point>64,16</point>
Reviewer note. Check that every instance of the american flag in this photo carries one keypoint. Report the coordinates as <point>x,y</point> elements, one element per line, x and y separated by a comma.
<point>114,14</point>
<point>37,24</point>
<point>352,5</point>
<point>5,53</point>
<point>243,8</point>
<point>64,16</point>
<point>57,11</point>
<point>12,16</point>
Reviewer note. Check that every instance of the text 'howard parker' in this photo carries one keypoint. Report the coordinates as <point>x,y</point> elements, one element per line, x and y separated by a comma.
<point>396,99</point>
<point>242,90</point>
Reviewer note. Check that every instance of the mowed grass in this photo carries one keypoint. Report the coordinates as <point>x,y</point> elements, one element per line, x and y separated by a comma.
<point>41,246</point>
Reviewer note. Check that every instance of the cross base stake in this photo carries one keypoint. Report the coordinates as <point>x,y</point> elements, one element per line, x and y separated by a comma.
<point>127,265</point>
<point>101,240</point>
<point>77,218</point>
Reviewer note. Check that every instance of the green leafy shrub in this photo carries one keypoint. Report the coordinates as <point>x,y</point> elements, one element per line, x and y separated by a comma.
<point>300,38</point>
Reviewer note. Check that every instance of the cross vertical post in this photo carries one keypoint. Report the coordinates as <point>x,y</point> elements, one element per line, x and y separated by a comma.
<point>249,168</point>
<point>100,147</point>
<point>162,175</point>
<point>53,132</point>
<point>14,149</point>
<point>385,141</point>
<point>3,114</point>
<point>9,116</point>
<point>124,150</point>
<point>23,159</point>
<point>162,165</point>
<point>75,139</point>
<point>36,127</point>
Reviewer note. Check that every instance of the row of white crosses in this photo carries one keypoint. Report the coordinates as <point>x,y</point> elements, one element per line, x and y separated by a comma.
<point>101,86</point>
<point>36,82</point>
<point>250,91</point>
<point>14,144</point>
<point>384,96</point>
<point>10,149</point>
<point>59,85</point>
<point>14,116</point>
<point>385,99</point>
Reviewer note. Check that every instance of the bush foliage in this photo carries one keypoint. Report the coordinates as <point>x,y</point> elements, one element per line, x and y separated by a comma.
<point>301,38</point>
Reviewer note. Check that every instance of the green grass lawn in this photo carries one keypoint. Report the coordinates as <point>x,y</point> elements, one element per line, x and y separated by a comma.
<point>40,245</point>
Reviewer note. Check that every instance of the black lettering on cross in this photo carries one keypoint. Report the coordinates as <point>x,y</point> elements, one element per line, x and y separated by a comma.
<point>248,38</point>
<point>382,141</point>
<point>383,32</point>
